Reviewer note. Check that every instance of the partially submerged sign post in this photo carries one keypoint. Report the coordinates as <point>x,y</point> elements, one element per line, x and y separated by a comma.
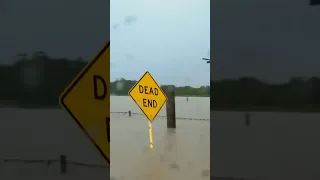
<point>87,100</point>
<point>149,97</point>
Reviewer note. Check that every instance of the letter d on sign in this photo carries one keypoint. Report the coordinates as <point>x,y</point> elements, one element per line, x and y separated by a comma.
<point>99,95</point>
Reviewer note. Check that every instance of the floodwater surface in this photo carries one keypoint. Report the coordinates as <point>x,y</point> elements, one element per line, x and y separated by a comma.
<point>275,146</point>
<point>182,153</point>
<point>45,134</point>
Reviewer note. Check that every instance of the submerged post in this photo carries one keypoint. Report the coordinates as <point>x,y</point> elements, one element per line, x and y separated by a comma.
<point>63,164</point>
<point>171,107</point>
<point>247,119</point>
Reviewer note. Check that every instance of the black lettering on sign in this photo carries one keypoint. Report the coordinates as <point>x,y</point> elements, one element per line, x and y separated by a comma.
<point>154,103</point>
<point>140,89</point>
<point>156,91</point>
<point>108,128</point>
<point>148,90</point>
<point>149,103</point>
<point>144,102</point>
<point>99,95</point>
<point>151,91</point>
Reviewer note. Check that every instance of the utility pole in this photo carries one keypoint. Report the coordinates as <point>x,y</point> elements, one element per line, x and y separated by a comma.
<point>206,59</point>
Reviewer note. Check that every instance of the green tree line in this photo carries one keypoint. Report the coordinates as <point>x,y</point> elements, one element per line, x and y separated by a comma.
<point>298,94</point>
<point>38,79</point>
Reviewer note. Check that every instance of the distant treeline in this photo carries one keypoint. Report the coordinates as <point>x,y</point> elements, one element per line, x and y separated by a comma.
<point>247,93</point>
<point>38,80</point>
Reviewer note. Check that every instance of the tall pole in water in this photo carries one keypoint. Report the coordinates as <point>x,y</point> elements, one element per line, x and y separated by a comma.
<point>206,59</point>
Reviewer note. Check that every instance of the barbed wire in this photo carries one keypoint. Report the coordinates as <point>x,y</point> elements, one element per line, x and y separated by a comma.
<point>87,165</point>
<point>228,178</point>
<point>160,116</point>
<point>51,161</point>
<point>29,161</point>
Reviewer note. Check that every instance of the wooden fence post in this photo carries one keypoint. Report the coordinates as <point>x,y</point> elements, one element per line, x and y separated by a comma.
<point>63,164</point>
<point>247,119</point>
<point>171,107</point>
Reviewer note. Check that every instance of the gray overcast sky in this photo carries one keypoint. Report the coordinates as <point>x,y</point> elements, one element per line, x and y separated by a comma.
<point>167,38</point>
<point>272,39</point>
<point>61,28</point>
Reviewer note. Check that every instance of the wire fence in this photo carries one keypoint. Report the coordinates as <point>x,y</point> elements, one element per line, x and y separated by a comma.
<point>62,160</point>
<point>228,178</point>
<point>129,113</point>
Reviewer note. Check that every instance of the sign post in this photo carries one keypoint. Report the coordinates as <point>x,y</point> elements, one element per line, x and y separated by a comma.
<point>87,100</point>
<point>150,135</point>
<point>150,98</point>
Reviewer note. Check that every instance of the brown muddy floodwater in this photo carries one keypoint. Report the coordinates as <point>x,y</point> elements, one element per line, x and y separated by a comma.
<point>183,153</point>
<point>42,134</point>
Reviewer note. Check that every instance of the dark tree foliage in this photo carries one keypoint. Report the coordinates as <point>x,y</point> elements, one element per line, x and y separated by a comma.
<point>298,94</point>
<point>37,81</point>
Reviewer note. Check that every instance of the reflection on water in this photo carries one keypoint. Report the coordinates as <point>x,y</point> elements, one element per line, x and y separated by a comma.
<point>181,153</point>
<point>47,133</point>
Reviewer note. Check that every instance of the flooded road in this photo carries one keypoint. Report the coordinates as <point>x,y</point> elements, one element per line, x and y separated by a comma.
<point>275,146</point>
<point>42,134</point>
<point>182,153</point>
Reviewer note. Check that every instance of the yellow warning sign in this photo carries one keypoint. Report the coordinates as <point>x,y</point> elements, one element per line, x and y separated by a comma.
<point>148,95</point>
<point>87,100</point>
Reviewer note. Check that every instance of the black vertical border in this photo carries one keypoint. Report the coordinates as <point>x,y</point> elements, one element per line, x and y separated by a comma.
<point>211,86</point>
<point>108,88</point>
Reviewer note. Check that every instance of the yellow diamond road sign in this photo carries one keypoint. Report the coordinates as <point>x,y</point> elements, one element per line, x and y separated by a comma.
<point>87,100</point>
<point>148,95</point>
